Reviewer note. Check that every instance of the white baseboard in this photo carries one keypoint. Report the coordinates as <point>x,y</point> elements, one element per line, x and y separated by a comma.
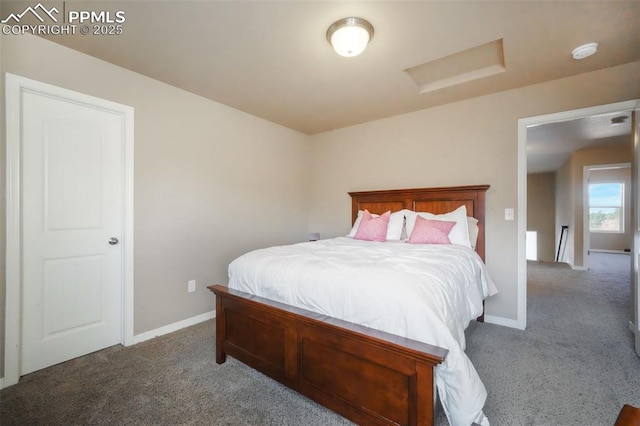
<point>506,322</point>
<point>578,268</point>
<point>170,328</point>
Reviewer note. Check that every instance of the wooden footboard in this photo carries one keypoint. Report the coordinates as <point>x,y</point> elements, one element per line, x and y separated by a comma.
<point>368,376</point>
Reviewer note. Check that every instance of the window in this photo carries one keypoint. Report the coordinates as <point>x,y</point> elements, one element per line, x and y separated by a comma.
<point>606,207</point>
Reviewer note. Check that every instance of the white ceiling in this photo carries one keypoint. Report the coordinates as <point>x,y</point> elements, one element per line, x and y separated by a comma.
<point>550,145</point>
<point>271,58</point>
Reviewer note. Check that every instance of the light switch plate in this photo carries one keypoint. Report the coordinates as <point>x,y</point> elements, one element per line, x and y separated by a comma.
<point>508,214</point>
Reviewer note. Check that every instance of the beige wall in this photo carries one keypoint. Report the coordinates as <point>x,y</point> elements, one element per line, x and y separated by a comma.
<point>211,182</point>
<point>565,213</point>
<point>541,212</point>
<point>468,142</point>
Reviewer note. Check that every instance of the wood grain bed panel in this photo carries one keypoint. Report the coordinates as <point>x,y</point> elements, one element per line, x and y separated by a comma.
<point>366,375</point>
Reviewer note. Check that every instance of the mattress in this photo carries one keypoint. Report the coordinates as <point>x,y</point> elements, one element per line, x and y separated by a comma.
<point>428,293</point>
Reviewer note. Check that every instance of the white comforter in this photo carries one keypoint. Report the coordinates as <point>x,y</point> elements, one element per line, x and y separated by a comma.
<point>428,293</point>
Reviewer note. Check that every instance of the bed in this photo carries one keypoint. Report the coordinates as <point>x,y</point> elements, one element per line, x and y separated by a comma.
<point>337,362</point>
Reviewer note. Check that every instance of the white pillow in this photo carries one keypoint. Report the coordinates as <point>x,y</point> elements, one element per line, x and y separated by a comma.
<point>472,224</point>
<point>394,230</point>
<point>459,233</point>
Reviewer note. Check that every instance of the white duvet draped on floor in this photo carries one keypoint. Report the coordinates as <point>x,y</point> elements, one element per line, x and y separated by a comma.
<point>428,293</point>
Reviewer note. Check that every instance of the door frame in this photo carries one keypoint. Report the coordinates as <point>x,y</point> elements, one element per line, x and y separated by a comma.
<point>15,86</point>
<point>523,123</point>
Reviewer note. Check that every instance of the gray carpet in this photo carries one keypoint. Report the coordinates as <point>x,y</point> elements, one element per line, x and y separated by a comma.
<point>171,380</point>
<point>574,365</point>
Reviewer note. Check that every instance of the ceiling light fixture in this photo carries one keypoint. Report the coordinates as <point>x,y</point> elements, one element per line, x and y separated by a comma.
<point>584,51</point>
<point>350,36</point>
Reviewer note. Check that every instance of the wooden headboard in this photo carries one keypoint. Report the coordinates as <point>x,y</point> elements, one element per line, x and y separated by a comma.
<point>433,200</point>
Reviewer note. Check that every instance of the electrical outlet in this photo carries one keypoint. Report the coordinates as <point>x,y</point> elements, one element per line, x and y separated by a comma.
<point>191,286</point>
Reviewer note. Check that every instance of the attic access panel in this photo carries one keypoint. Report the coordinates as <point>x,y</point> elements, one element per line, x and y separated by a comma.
<point>471,64</point>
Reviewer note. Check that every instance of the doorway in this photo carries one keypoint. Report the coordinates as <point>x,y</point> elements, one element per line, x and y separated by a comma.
<point>575,221</point>
<point>69,254</point>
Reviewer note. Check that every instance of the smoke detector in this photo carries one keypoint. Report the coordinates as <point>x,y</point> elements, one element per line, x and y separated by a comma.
<point>584,51</point>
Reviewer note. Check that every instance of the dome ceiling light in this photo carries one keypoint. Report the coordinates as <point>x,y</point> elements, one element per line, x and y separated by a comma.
<point>350,36</point>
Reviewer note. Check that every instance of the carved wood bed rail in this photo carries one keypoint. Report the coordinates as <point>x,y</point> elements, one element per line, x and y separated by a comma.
<point>334,362</point>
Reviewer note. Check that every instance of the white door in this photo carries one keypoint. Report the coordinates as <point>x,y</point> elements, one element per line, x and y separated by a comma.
<point>72,216</point>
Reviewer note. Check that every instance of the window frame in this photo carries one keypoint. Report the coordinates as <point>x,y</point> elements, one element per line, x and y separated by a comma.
<point>621,229</point>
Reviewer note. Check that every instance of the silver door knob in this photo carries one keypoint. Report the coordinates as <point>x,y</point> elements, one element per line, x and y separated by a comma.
<point>113,241</point>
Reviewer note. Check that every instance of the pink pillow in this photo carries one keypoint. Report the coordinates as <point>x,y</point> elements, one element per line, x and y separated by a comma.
<point>373,228</point>
<point>427,231</point>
